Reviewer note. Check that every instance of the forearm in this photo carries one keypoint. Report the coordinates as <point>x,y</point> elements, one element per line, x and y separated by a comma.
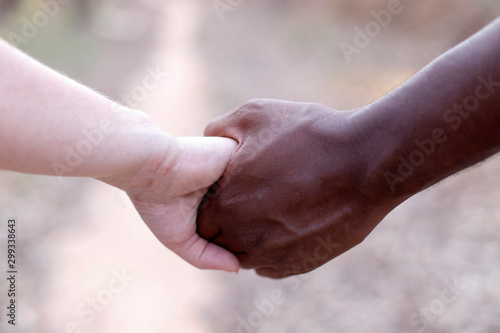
<point>441,121</point>
<point>52,125</point>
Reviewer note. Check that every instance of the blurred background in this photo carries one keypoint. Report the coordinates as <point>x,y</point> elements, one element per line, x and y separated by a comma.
<point>86,261</point>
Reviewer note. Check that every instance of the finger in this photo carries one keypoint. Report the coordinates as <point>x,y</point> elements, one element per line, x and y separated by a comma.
<point>272,273</point>
<point>229,124</point>
<point>249,117</point>
<point>253,260</point>
<point>205,255</point>
<point>218,152</point>
<point>220,126</point>
<point>205,159</point>
<point>206,228</point>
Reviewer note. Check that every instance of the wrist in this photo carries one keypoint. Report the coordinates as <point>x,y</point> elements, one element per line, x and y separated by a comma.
<point>355,157</point>
<point>144,147</point>
<point>386,145</point>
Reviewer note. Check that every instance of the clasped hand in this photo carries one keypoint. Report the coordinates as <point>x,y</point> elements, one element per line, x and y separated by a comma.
<point>294,194</point>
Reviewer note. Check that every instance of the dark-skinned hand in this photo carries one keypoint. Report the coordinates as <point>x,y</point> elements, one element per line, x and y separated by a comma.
<point>293,195</point>
<point>307,183</point>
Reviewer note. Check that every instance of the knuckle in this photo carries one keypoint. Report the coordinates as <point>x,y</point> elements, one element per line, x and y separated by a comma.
<point>256,102</point>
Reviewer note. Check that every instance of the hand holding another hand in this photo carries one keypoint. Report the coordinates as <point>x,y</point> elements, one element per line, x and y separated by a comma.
<point>295,193</point>
<point>168,189</point>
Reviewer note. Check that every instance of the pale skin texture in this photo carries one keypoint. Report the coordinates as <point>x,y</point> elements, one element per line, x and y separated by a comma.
<point>44,115</point>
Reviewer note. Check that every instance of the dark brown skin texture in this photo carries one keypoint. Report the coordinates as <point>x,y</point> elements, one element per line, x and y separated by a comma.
<point>307,182</point>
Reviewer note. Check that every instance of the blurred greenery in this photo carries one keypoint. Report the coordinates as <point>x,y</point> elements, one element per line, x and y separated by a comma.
<point>63,43</point>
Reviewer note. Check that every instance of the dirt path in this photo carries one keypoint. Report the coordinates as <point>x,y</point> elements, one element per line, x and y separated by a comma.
<point>165,293</point>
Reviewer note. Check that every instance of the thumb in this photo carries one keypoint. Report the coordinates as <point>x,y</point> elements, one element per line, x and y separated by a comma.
<point>210,155</point>
<point>205,255</point>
